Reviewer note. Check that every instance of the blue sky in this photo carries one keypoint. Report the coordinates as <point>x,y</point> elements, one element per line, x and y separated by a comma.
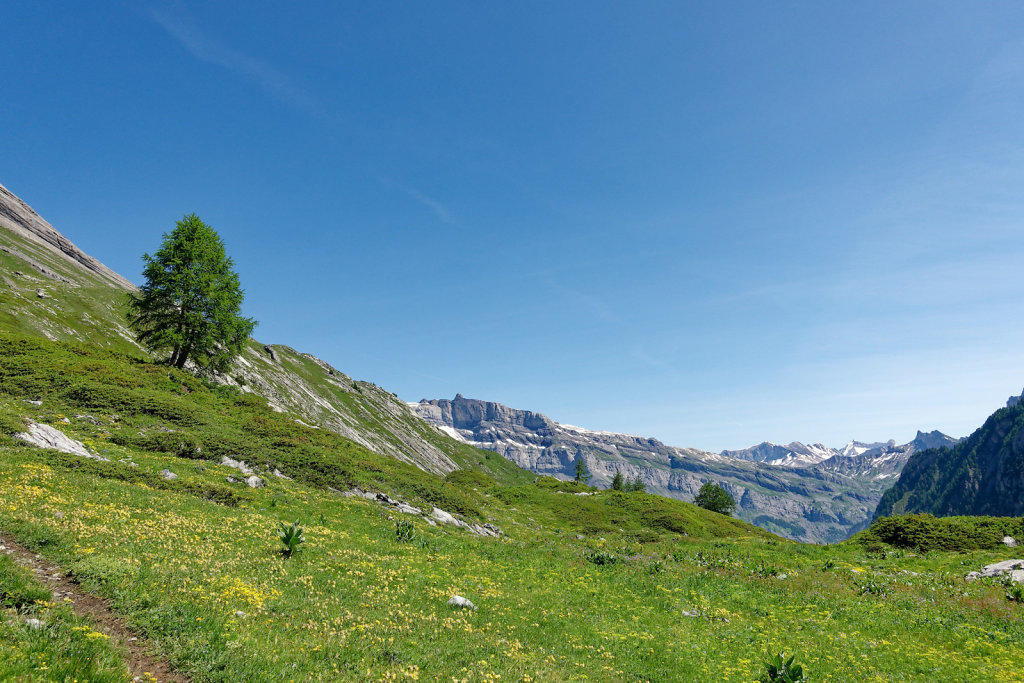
<point>714,224</point>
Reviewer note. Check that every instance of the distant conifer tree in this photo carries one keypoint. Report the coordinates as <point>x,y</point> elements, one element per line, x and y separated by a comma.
<point>635,484</point>
<point>582,474</point>
<point>617,481</point>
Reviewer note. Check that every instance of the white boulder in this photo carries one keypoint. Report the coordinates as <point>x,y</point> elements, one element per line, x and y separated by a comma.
<point>459,602</point>
<point>45,436</point>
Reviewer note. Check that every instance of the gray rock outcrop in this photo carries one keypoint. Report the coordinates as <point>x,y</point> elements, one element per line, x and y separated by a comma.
<point>45,436</point>
<point>809,493</point>
<point>1012,568</point>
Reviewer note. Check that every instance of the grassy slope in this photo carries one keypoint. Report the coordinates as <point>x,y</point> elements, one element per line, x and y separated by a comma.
<point>369,409</point>
<point>66,647</point>
<point>595,586</point>
<point>81,306</point>
<point>86,309</point>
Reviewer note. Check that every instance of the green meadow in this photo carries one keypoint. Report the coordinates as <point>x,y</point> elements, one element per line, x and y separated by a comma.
<point>607,586</point>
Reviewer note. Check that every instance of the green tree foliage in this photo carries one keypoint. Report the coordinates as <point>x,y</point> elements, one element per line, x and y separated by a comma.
<point>635,484</point>
<point>618,481</point>
<point>190,305</point>
<point>582,473</point>
<point>713,497</point>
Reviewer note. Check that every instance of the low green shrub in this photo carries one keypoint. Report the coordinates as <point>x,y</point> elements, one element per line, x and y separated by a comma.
<point>924,532</point>
<point>602,558</point>
<point>871,586</point>
<point>405,532</point>
<point>470,478</point>
<point>10,421</point>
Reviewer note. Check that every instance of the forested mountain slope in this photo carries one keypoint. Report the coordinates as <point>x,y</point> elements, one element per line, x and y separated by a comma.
<point>981,475</point>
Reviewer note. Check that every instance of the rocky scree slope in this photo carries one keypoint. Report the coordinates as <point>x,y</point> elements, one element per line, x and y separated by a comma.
<point>813,494</point>
<point>981,475</point>
<point>50,288</point>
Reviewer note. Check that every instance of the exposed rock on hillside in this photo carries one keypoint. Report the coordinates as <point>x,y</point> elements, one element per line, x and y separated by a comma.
<point>810,493</point>
<point>45,436</point>
<point>19,217</point>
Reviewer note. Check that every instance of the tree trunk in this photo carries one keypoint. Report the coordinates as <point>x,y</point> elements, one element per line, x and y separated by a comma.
<point>183,356</point>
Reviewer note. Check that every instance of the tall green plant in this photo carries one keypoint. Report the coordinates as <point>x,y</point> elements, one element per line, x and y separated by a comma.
<point>291,536</point>
<point>778,669</point>
<point>715,498</point>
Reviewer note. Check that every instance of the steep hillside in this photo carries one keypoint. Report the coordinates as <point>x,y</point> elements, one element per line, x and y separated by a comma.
<point>981,475</point>
<point>825,499</point>
<point>50,289</point>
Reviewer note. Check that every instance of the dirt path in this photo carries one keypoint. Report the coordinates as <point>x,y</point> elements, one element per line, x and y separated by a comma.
<point>140,661</point>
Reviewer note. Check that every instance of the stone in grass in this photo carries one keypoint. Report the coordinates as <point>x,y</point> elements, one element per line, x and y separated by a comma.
<point>168,475</point>
<point>459,602</point>
<point>1009,541</point>
<point>254,482</point>
<point>1015,568</point>
<point>45,436</point>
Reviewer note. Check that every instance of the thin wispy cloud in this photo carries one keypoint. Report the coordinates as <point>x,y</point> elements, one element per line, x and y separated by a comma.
<point>181,26</point>
<point>439,209</point>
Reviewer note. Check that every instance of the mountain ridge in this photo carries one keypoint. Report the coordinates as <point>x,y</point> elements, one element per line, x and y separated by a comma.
<point>825,498</point>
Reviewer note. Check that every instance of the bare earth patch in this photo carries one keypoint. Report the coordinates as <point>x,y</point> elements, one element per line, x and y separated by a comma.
<point>141,662</point>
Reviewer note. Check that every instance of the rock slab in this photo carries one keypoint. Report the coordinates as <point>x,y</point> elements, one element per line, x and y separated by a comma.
<point>45,436</point>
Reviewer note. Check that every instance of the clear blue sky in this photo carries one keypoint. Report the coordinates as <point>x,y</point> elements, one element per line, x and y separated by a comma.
<point>714,224</point>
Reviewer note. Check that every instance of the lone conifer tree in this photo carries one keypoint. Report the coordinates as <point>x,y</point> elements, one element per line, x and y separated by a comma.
<point>617,481</point>
<point>191,302</point>
<point>582,473</point>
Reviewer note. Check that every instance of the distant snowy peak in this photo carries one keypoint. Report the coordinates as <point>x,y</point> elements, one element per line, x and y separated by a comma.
<point>855,448</point>
<point>793,454</point>
<point>862,455</point>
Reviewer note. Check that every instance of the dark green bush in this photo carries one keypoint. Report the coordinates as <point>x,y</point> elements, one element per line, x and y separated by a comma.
<point>923,532</point>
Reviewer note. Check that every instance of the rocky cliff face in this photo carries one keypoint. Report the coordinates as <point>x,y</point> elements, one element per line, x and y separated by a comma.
<point>19,218</point>
<point>809,493</point>
<point>50,288</point>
